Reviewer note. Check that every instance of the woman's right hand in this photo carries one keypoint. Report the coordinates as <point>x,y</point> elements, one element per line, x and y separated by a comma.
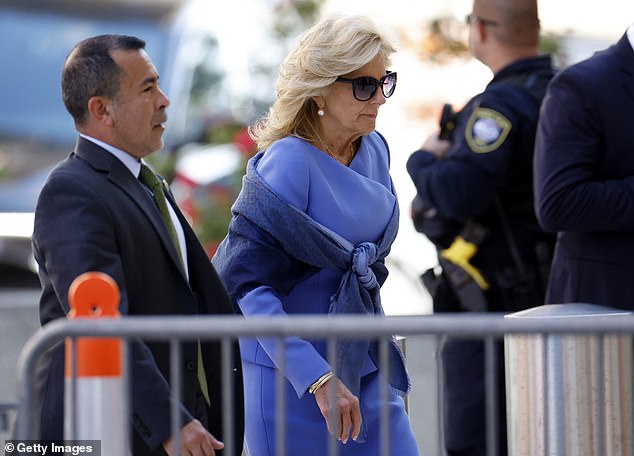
<point>347,413</point>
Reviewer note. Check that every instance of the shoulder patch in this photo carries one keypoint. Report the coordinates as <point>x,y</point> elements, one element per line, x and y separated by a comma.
<point>486,130</point>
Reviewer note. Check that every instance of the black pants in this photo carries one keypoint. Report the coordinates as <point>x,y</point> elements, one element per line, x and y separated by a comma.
<point>463,367</point>
<point>464,401</point>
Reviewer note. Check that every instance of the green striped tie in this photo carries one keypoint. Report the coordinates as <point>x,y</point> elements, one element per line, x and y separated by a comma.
<point>151,181</point>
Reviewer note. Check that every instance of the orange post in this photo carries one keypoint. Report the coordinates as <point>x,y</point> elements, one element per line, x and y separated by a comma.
<point>94,295</point>
<point>95,398</point>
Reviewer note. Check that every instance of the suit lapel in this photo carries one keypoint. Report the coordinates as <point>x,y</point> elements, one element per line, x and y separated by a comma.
<point>117,173</point>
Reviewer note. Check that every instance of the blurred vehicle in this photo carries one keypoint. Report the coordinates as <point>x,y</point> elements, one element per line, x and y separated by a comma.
<point>206,183</point>
<point>216,85</point>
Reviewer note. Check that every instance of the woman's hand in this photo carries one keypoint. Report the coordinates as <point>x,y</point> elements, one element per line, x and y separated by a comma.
<point>334,396</point>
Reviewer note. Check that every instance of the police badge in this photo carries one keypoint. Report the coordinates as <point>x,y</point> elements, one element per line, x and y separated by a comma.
<point>486,130</point>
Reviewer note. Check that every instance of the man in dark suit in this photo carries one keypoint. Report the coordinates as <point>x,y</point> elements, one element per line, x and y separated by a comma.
<point>584,178</point>
<point>93,214</point>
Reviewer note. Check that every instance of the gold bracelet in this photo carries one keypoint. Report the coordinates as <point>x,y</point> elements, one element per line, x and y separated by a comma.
<point>320,382</point>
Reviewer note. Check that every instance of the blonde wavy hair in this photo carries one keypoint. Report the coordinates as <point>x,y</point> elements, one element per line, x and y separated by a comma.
<point>336,45</point>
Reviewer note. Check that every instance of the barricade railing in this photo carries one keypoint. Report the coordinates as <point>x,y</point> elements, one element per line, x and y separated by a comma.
<point>226,329</point>
<point>5,409</point>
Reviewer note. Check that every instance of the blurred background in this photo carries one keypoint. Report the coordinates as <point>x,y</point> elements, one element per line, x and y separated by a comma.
<point>218,62</point>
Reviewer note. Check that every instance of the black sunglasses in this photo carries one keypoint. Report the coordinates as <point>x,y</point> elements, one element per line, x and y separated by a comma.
<point>364,88</point>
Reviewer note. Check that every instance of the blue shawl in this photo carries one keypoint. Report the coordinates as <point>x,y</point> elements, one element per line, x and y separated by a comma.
<point>271,242</point>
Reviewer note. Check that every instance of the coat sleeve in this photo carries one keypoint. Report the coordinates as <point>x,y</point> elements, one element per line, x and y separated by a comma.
<point>463,184</point>
<point>572,193</point>
<point>256,272</point>
<point>303,364</point>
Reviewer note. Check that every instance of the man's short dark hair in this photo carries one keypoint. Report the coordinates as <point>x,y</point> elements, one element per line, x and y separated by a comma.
<point>89,71</point>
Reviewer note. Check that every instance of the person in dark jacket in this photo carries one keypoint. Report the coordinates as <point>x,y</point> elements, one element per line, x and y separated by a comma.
<point>584,178</point>
<point>475,202</point>
<point>94,214</point>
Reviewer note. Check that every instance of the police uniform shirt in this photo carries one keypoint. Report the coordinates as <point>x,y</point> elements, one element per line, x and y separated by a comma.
<point>492,149</point>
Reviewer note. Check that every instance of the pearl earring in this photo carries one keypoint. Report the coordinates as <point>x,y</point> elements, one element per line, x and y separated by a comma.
<point>321,112</point>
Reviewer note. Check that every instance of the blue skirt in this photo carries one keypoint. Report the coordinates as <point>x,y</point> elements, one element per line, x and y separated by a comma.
<point>306,433</point>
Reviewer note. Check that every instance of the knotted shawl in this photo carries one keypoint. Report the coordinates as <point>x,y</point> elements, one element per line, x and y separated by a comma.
<point>271,242</point>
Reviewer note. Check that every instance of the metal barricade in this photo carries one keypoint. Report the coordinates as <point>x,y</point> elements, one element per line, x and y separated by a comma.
<point>5,409</point>
<point>490,327</point>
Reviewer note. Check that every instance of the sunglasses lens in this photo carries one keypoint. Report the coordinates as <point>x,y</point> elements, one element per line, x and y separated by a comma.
<point>364,88</point>
<point>389,85</point>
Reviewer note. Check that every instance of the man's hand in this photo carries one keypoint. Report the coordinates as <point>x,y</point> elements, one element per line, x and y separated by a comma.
<point>345,406</point>
<point>195,440</point>
<point>438,147</point>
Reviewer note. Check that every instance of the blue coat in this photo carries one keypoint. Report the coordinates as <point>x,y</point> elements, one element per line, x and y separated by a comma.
<point>584,178</point>
<point>302,207</point>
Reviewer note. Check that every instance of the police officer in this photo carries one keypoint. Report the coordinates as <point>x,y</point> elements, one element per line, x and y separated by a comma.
<point>475,202</point>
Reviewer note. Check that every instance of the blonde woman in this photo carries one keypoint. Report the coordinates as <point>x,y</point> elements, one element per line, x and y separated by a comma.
<point>311,228</point>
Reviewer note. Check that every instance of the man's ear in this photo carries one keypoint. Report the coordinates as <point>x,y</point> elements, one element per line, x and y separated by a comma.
<point>481,30</point>
<point>99,109</point>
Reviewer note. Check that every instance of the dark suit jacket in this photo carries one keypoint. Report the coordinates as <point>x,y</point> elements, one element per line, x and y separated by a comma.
<point>584,178</point>
<point>94,215</point>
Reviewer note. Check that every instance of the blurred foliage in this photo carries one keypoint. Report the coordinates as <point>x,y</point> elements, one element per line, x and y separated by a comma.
<point>552,43</point>
<point>212,211</point>
<point>446,38</point>
<point>163,164</point>
<point>293,17</point>
<point>209,209</point>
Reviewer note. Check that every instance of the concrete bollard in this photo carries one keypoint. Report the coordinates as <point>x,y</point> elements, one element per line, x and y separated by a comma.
<point>569,394</point>
<point>95,406</point>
